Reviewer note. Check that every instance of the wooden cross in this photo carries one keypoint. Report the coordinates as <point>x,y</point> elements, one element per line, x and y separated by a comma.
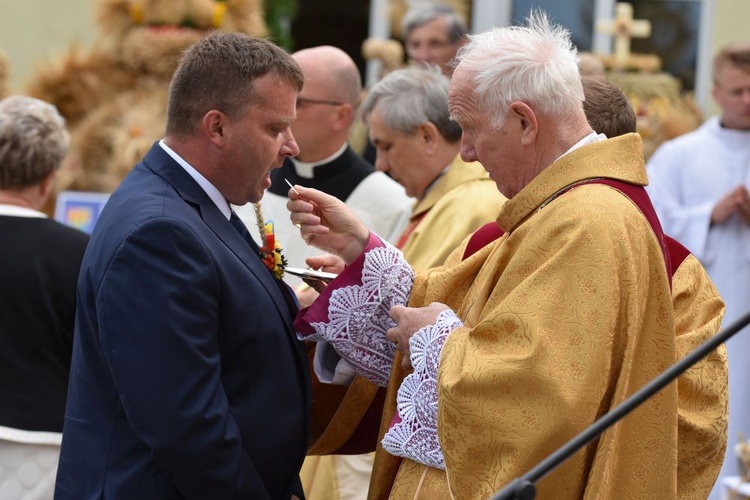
<point>624,28</point>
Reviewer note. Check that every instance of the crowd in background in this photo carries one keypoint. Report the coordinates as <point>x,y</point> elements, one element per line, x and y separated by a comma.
<point>510,268</point>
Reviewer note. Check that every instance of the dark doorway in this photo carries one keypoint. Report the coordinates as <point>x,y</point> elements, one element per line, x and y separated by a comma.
<point>341,23</point>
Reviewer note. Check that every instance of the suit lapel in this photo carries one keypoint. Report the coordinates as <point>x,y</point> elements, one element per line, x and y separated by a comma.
<point>248,254</point>
<point>163,165</point>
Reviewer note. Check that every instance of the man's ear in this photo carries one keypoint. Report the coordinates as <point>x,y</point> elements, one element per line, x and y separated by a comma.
<point>215,127</point>
<point>45,187</point>
<point>428,135</point>
<point>343,116</point>
<point>527,121</point>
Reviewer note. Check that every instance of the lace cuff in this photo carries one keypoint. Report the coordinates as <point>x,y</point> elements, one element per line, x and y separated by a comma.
<point>414,431</point>
<point>352,312</point>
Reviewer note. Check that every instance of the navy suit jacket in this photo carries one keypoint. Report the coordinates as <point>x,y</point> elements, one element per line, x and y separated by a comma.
<point>187,379</point>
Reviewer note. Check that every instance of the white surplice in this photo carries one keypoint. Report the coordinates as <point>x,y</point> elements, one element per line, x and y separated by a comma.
<point>687,177</point>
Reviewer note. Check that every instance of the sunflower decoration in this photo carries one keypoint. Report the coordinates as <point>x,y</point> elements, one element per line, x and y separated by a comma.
<point>270,250</point>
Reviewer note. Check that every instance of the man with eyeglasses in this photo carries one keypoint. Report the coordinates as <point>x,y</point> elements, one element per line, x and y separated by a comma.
<point>700,184</point>
<point>432,35</point>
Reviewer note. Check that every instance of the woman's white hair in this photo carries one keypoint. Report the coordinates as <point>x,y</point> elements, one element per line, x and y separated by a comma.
<point>33,141</point>
<point>536,64</point>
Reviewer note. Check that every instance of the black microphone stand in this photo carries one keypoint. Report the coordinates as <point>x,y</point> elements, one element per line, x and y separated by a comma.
<point>522,488</point>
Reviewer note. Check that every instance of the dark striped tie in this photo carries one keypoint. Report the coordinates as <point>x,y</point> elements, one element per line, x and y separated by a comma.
<point>242,229</point>
<point>289,295</point>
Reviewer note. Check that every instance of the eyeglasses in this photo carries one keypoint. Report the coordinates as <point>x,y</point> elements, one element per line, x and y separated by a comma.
<point>301,101</point>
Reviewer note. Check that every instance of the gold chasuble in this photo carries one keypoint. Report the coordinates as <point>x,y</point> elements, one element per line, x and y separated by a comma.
<point>566,315</point>
<point>702,391</point>
<point>346,419</point>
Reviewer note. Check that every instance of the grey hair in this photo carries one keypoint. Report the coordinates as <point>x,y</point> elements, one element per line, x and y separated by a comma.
<point>409,97</point>
<point>33,141</point>
<point>536,64</point>
<point>422,15</point>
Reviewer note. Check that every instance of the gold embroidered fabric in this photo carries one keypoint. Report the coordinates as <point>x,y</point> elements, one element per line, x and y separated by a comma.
<point>416,481</point>
<point>460,202</point>
<point>581,318</point>
<point>703,391</point>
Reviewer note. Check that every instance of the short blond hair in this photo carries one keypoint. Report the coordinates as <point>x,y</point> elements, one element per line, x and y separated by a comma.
<point>33,141</point>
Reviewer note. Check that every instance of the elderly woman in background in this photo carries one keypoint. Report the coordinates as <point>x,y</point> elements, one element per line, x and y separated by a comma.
<point>39,263</point>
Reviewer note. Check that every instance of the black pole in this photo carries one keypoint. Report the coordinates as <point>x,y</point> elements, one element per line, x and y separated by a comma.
<point>523,488</point>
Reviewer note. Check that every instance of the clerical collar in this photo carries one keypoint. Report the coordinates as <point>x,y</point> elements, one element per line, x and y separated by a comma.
<point>592,137</point>
<point>305,169</point>
<point>211,190</point>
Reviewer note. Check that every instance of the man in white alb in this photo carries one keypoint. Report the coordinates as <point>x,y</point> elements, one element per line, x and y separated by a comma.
<point>699,186</point>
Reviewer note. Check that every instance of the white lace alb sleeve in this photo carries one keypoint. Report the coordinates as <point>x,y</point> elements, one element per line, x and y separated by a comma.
<point>415,436</point>
<point>358,314</point>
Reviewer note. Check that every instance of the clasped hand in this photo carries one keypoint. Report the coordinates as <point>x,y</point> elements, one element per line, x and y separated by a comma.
<point>409,320</point>
<point>736,201</point>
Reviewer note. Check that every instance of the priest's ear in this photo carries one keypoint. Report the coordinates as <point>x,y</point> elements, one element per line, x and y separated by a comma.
<point>344,116</point>
<point>526,121</point>
<point>428,136</point>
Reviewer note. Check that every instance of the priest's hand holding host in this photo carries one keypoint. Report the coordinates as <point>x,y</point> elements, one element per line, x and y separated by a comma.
<point>539,322</point>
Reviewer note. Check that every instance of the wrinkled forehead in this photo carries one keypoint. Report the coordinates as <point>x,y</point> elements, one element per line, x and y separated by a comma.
<point>461,97</point>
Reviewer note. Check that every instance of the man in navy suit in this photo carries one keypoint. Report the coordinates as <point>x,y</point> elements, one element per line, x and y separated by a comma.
<point>187,380</point>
